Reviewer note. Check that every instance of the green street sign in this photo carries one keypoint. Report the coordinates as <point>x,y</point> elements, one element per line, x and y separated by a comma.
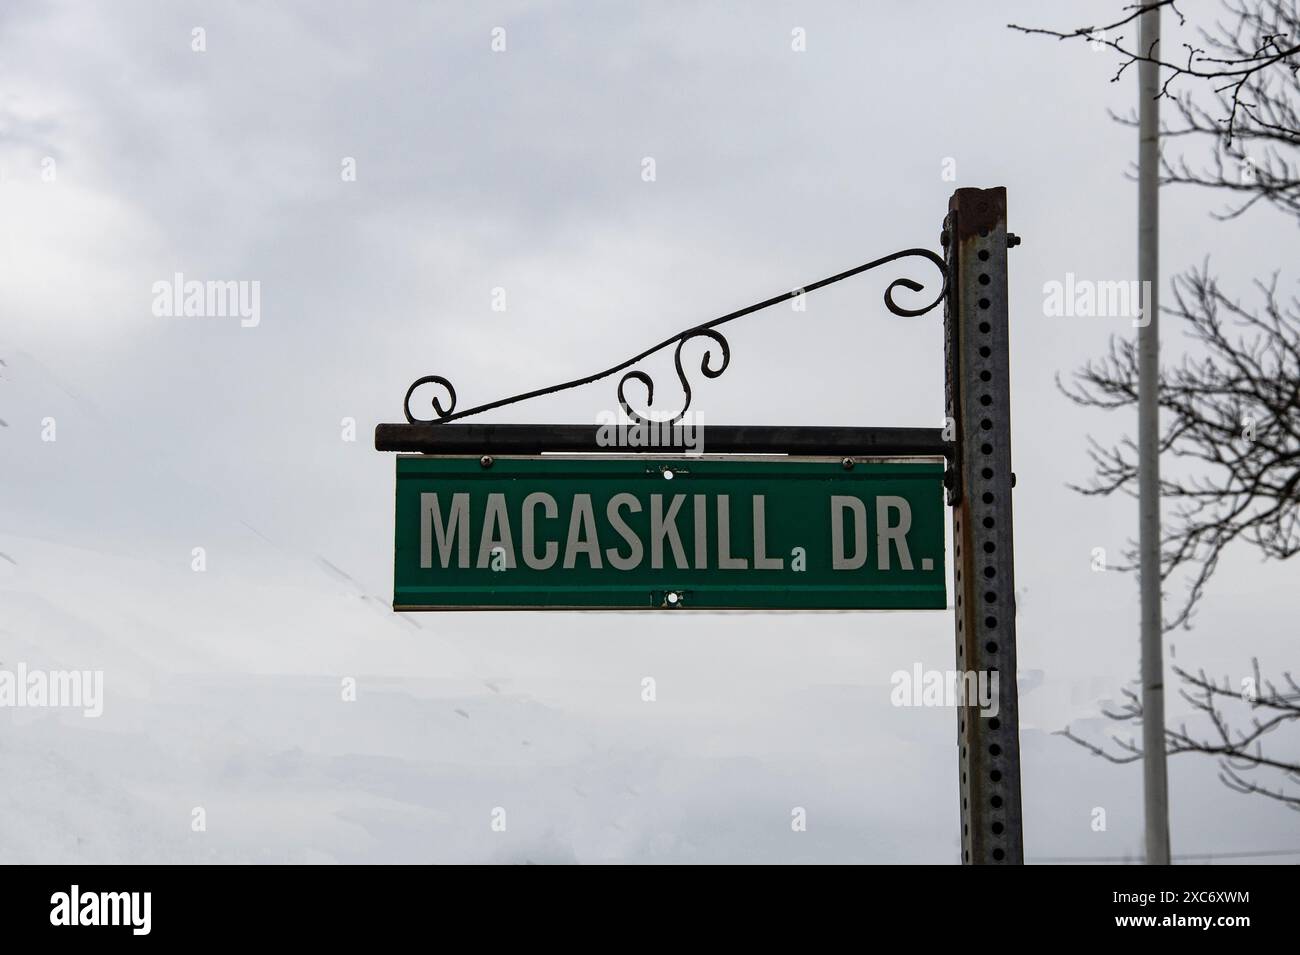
<point>643,532</point>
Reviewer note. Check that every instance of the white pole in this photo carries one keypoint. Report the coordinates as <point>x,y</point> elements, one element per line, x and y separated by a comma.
<point>1154,779</point>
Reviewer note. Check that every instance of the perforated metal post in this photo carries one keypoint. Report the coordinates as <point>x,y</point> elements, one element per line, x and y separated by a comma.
<point>980,483</point>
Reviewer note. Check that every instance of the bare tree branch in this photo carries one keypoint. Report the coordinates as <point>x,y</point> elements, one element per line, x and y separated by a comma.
<point>1234,725</point>
<point>1232,430</point>
<point>1264,37</point>
<point>1230,410</point>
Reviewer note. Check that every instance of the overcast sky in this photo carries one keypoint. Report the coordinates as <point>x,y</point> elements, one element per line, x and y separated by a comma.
<point>522,169</point>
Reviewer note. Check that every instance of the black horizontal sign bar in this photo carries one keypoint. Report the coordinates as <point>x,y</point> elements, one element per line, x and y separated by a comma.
<point>710,439</point>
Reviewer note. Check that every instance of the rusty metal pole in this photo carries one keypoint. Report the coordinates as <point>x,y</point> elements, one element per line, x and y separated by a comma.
<point>980,483</point>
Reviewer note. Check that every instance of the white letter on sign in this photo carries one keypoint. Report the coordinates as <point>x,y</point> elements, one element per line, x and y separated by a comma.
<point>838,559</point>
<point>725,560</point>
<point>552,550</point>
<point>457,523</point>
<point>633,558</point>
<point>665,526</point>
<point>761,560</point>
<point>898,534</point>
<point>582,534</point>
<point>493,518</point>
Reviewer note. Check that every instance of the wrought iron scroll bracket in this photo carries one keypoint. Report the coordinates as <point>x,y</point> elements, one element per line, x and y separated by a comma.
<point>708,330</point>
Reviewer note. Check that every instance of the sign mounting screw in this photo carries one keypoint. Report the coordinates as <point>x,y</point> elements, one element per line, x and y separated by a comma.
<point>486,461</point>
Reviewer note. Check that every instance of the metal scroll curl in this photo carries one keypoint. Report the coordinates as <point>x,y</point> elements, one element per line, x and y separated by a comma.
<point>447,412</point>
<point>705,369</point>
